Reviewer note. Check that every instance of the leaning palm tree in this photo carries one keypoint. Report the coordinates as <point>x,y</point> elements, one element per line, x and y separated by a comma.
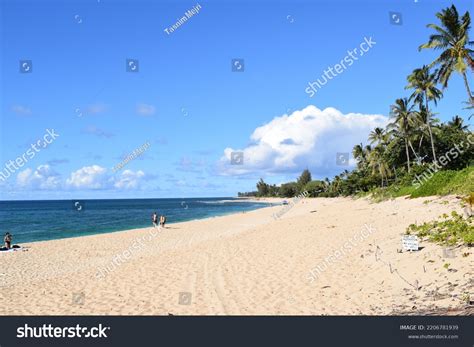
<point>452,37</point>
<point>423,83</point>
<point>402,115</point>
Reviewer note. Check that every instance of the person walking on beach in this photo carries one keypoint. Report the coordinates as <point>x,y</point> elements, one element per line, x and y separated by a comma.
<point>154,219</point>
<point>162,221</point>
<point>8,240</point>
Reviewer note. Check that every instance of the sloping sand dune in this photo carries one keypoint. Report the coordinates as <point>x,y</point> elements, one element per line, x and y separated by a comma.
<point>247,264</point>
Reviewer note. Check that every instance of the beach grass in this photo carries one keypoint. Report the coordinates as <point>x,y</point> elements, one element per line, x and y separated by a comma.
<point>442,183</point>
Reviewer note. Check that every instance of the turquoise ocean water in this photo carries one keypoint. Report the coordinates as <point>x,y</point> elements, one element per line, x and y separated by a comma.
<point>54,219</point>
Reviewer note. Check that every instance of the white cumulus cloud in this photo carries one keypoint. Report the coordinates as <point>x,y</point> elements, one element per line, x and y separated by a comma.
<point>129,179</point>
<point>88,177</point>
<point>42,178</point>
<point>92,177</point>
<point>307,138</point>
<point>97,177</point>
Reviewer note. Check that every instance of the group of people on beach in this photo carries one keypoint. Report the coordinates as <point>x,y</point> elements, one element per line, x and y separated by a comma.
<point>154,220</point>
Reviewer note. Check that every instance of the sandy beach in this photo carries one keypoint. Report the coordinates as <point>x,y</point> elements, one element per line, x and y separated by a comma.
<point>249,264</point>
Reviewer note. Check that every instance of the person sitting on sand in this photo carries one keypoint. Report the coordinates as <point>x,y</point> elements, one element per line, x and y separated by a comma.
<point>154,219</point>
<point>162,221</point>
<point>8,240</point>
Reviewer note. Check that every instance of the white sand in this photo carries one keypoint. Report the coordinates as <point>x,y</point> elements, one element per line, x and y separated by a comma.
<point>247,264</point>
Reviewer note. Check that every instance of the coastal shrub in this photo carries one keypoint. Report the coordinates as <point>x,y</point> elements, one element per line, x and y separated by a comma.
<point>304,179</point>
<point>450,230</point>
<point>288,190</point>
<point>314,188</point>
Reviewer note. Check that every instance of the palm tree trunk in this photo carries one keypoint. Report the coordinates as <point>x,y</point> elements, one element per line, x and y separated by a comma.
<point>421,142</point>
<point>429,128</point>
<point>432,144</point>
<point>412,149</point>
<point>471,97</point>
<point>408,154</point>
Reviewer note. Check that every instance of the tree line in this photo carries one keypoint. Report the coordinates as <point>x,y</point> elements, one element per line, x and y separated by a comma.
<point>414,137</point>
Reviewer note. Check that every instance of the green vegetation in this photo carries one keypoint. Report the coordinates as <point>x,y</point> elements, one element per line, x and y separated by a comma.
<point>448,231</point>
<point>442,183</point>
<point>416,154</point>
<point>452,37</point>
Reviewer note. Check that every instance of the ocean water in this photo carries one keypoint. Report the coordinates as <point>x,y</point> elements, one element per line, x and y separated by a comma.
<point>55,219</point>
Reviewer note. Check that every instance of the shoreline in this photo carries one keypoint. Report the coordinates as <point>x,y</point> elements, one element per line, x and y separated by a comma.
<point>25,244</point>
<point>138,228</point>
<point>113,199</point>
<point>247,264</point>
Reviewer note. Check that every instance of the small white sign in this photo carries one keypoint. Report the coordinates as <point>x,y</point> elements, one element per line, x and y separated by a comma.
<point>410,243</point>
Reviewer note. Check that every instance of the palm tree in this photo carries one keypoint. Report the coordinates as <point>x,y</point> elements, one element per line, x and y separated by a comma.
<point>335,184</point>
<point>359,155</point>
<point>402,124</point>
<point>421,120</point>
<point>345,174</point>
<point>453,38</point>
<point>457,123</point>
<point>378,164</point>
<point>377,135</point>
<point>423,83</point>
<point>358,152</point>
<point>367,151</point>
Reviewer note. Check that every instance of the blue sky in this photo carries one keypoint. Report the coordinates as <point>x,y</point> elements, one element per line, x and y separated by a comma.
<point>186,101</point>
